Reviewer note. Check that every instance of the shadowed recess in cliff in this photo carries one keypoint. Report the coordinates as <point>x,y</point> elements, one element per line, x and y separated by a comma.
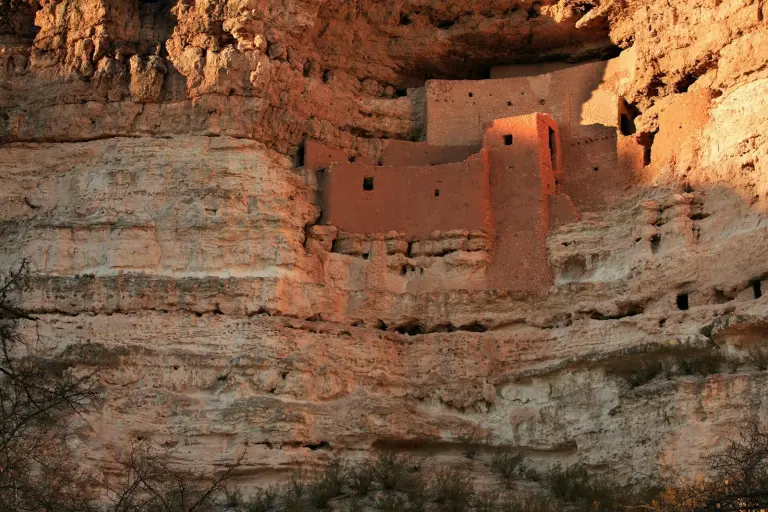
<point>445,41</point>
<point>157,21</point>
<point>17,19</point>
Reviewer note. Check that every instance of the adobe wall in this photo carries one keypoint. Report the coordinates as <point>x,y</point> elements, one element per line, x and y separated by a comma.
<point>593,173</point>
<point>504,191</point>
<point>561,211</point>
<point>458,110</point>
<point>319,156</point>
<point>522,178</point>
<point>415,200</point>
<point>403,152</point>
<point>679,121</point>
<point>582,100</point>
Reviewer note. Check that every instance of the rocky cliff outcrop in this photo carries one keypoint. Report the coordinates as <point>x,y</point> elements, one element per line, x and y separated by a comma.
<point>151,172</point>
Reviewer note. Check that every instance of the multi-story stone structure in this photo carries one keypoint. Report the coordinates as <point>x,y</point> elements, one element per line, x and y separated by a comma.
<point>507,158</point>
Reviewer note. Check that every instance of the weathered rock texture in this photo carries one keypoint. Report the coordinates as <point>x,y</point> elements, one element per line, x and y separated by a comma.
<point>149,170</point>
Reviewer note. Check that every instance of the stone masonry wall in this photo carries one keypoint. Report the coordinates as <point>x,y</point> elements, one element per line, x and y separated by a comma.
<point>414,200</point>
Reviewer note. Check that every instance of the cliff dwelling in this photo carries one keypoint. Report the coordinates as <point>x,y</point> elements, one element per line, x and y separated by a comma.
<point>383,255</point>
<point>504,161</point>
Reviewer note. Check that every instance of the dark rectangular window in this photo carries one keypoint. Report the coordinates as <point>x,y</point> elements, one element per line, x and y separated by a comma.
<point>437,192</point>
<point>646,155</point>
<point>507,140</point>
<point>368,183</point>
<point>553,148</point>
<point>298,159</point>
<point>682,301</point>
<point>626,125</point>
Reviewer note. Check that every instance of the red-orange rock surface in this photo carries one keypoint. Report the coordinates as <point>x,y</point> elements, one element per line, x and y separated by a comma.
<point>148,170</point>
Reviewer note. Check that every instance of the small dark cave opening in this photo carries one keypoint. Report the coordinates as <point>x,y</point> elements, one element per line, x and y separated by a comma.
<point>157,22</point>
<point>17,20</point>
<point>627,115</point>
<point>412,328</point>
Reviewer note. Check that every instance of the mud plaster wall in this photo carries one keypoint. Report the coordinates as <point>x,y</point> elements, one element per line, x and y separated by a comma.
<point>318,156</point>
<point>403,152</point>
<point>415,200</point>
<point>678,122</point>
<point>503,190</point>
<point>581,99</point>
<point>522,178</point>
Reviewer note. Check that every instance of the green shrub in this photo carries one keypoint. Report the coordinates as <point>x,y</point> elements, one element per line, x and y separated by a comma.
<point>328,484</point>
<point>644,373</point>
<point>486,501</point>
<point>362,476</point>
<point>706,363</point>
<point>508,466</point>
<point>295,495</point>
<point>574,484</point>
<point>453,489</point>
<point>391,502</point>
<point>263,501</point>
<point>393,471</point>
<point>355,504</point>
<point>417,493</point>
<point>233,497</point>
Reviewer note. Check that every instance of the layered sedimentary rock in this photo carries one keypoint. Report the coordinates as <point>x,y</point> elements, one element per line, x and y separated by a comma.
<point>151,171</point>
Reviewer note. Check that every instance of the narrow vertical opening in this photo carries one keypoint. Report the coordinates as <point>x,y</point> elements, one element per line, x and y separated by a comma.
<point>507,140</point>
<point>627,115</point>
<point>368,183</point>
<point>655,243</point>
<point>757,289</point>
<point>625,124</point>
<point>437,192</point>
<point>682,301</point>
<point>646,140</point>
<point>552,148</point>
<point>299,158</point>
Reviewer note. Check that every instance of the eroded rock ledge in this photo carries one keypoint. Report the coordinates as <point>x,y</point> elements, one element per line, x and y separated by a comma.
<point>150,172</point>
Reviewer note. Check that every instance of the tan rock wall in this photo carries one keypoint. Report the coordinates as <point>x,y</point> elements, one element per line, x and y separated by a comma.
<point>167,224</point>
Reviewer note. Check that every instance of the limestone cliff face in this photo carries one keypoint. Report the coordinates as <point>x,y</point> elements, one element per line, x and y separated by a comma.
<point>150,171</point>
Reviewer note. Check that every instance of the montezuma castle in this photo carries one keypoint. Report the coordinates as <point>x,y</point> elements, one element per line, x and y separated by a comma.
<point>504,161</point>
<point>303,229</point>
